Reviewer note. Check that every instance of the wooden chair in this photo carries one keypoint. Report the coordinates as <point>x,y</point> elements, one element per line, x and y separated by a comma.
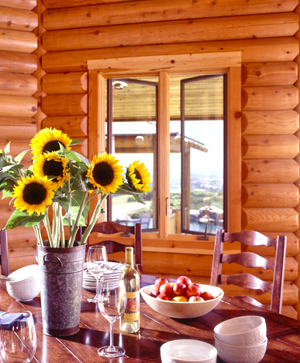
<point>120,231</point>
<point>251,259</point>
<point>4,253</point>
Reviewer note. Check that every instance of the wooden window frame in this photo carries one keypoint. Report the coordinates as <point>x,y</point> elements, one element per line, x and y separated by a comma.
<point>162,66</point>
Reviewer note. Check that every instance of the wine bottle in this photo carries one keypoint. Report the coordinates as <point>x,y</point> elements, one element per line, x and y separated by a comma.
<point>130,320</point>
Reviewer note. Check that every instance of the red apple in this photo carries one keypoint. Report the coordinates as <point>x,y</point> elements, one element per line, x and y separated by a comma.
<point>207,295</point>
<point>166,289</point>
<point>163,297</point>
<point>154,292</point>
<point>185,280</point>
<point>195,299</point>
<point>192,290</point>
<point>179,288</point>
<point>160,281</point>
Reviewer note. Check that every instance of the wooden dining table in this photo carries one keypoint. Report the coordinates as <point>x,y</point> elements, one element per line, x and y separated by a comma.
<point>283,333</point>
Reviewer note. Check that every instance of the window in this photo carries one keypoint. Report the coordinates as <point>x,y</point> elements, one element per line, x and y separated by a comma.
<point>155,135</point>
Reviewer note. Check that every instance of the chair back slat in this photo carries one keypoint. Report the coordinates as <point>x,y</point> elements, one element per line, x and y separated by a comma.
<point>4,253</point>
<point>251,260</point>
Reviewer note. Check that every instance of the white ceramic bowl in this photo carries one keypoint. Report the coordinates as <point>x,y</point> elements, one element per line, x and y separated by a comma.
<point>188,351</point>
<point>26,284</point>
<point>244,330</point>
<point>241,354</point>
<point>183,310</point>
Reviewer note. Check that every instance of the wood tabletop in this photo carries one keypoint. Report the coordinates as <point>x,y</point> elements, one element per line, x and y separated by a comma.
<point>283,333</point>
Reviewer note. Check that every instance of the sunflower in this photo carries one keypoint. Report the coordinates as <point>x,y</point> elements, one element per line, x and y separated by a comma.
<point>138,176</point>
<point>48,140</point>
<point>52,166</point>
<point>105,173</point>
<point>33,194</point>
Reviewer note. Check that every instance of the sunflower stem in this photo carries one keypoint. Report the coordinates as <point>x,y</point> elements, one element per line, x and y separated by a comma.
<point>48,228</point>
<point>70,207</point>
<point>38,234</point>
<point>75,226</point>
<point>54,225</point>
<point>95,216</point>
<point>61,226</point>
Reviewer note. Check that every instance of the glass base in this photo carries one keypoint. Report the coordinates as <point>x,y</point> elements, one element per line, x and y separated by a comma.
<point>111,352</point>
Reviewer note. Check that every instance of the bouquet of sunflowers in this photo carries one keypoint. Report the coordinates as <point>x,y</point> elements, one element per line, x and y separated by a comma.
<point>64,181</point>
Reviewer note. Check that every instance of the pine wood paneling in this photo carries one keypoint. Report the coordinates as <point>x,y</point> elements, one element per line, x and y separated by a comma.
<point>270,146</point>
<point>270,122</point>
<point>17,41</point>
<point>74,126</point>
<point>58,83</point>
<point>269,74</point>
<point>258,26</point>
<point>20,106</point>
<point>253,50</point>
<point>19,4</point>
<point>65,105</point>
<point>17,19</point>
<point>17,84</point>
<point>15,62</point>
<point>152,10</point>
<point>270,195</point>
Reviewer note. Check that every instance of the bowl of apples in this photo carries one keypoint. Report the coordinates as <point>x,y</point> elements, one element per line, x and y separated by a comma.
<point>181,299</point>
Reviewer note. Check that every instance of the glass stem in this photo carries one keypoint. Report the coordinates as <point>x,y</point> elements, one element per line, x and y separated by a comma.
<point>111,347</point>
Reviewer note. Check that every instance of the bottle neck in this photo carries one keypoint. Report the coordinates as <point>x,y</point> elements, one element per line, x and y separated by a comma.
<point>129,256</point>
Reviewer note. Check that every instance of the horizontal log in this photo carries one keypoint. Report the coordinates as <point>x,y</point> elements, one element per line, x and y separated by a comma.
<point>18,131</point>
<point>15,62</point>
<point>252,50</point>
<point>18,84</point>
<point>289,311</point>
<point>270,146</point>
<point>19,106</point>
<point>269,74</point>
<point>22,121</point>
<point>256,171</point>
<point>18,41</point>
<point>270,219</point>
<point>270,195</point>
<point>153,10</point>
<point>258,26</point>
<point>292,245</point>
<point>290,293</point>
<point>49,4</point>
<point>74,126</point>
<point>270,122</point>
<point>19,4</point>
<point>64,105</point>
<point>18,19</point>
<point>270,98</point>
<point>81,148</point>
<point>60,83</point>
<point>290,272</point>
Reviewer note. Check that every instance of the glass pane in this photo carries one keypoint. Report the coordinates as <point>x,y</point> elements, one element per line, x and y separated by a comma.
<point>134,138</point>
<point>201,177</point>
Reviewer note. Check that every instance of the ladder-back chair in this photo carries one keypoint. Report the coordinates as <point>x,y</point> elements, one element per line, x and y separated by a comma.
<point>251,260</point>
<point>120,237</point>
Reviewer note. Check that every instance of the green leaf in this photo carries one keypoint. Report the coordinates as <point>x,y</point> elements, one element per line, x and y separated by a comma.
<point>7,193</point>
<point>75,142</point>
<point>73,155</point>
<point>19,157</point>
<point>22,218</point>
<point>7,148</point>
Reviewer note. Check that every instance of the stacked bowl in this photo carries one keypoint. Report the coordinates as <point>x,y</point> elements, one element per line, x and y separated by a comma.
<point>242,339</point>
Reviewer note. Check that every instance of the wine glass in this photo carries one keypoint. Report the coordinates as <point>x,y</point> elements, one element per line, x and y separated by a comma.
<point>96,263</point>
<point>17,337</point>
<point>111,303</point>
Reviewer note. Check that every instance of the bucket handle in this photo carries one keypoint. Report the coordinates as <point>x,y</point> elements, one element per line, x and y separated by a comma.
<point>51,254</point>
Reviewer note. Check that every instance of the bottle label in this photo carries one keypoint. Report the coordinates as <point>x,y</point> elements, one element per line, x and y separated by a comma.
<point>132,311</point>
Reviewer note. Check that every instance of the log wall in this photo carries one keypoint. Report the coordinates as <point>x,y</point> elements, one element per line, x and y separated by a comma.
<point>73,32</point>
<point>18,104</point>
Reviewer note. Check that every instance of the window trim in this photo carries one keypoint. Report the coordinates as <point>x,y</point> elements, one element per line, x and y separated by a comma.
<point>228,62</point>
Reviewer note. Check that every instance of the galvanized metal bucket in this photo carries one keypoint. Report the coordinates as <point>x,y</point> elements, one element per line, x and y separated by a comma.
<point>61,288</point>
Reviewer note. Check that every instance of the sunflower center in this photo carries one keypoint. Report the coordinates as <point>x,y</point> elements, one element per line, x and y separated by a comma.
<point>51,146</point>
<point>34,193</point>
<point>138,176</point>
<point>103,174</point>
<point>53,168</point>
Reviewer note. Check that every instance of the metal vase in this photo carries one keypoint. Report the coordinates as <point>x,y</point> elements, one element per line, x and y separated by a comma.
<point>61,288</point>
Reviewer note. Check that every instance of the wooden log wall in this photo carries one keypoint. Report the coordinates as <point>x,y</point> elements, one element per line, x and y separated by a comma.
<point>264,31</point>
<point>18,104</point>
